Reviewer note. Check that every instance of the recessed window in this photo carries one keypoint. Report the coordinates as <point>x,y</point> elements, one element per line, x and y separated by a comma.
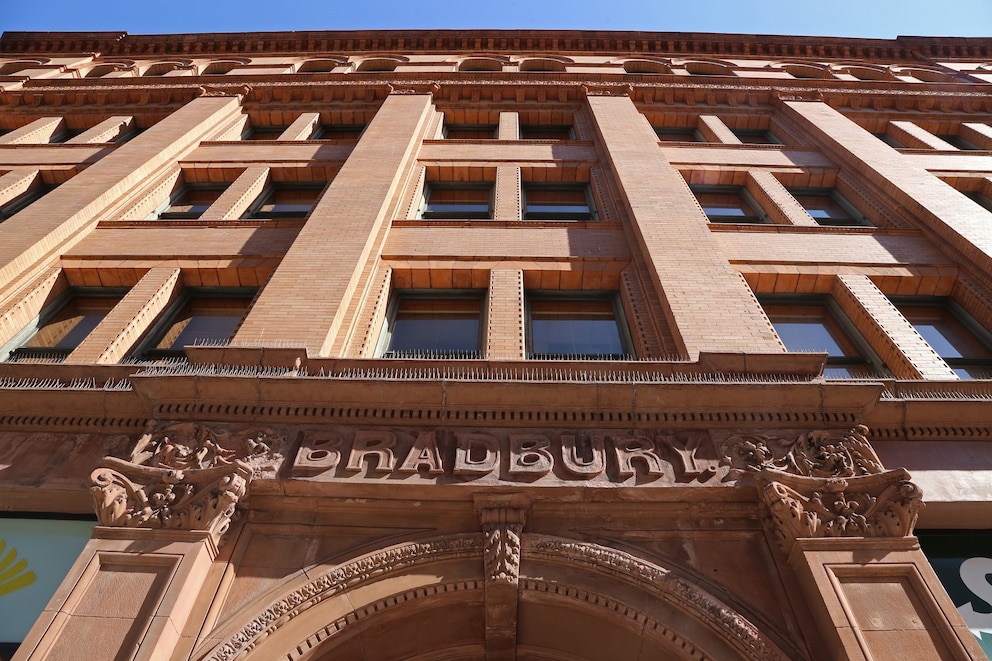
<point>378,65</point>
<point>62,327</point>
<point>263,132</point>
<point>285,200</point>
<point>470,132</point>
<point>576,326</point>
<point>554,202</point>
<point>200,318</point>
<point>889,140</point>
<point>34,193</point>
<point>65,135</point>
<point>828,207</point>
<point>480,64</point>
<point>545,132</point>
<point>190,201</point>
<point>670,134</point>
<point>728,204</point>
<point>816,324</point>
<point>981,198</point>
<point>541,64</point>
<point>956,337</point>
<point>959,142</point>
<point>756,137</point>
<point>431,325</point>
<point>457,201</point>
<point>337,132</point>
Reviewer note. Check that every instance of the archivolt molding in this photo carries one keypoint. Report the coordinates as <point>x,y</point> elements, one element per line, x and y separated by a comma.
<point>340,579</point>
<point>678,591</point>
<point>683,594</point>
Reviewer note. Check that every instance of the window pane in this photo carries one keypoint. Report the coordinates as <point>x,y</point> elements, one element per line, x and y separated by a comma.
<point>71,324</point>
<point>458,202</point>
<point>191,202</point>
<point>726,207</point>
<point>677,135</point>
<point>945,333</point>
<point>203,321</point>
<point>284,201</point>
<point>556,203</point>
<point>435,326</point>
<point>811,328</point>
<point>338,132</point>
<point>575,327</point>
<point>756,137</point>
<point>825,208</point>
<point>465,132</point>
<point>532,132</point>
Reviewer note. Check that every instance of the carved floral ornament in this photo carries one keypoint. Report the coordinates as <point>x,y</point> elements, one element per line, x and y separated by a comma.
<point>183,477</point>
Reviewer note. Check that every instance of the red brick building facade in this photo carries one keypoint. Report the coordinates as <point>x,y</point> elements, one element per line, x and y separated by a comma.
<point>495,345</point>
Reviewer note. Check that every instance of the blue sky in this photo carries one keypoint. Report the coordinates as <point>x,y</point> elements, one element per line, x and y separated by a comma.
<point>843,18</point>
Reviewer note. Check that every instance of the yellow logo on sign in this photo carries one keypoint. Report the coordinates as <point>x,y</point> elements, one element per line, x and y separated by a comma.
<point>12,571</point>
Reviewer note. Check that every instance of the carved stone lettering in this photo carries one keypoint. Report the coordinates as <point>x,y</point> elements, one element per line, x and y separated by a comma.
<point>530,455</point>
<point>423,453</point>
<point>378,444</point>
<point>685,451</point>
<point>639,449</point>
<point>318,453</point>
<point>476,454</point>
<point>574,457</point>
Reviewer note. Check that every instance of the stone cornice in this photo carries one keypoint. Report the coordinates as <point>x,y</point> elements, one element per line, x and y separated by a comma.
<point>495,41</point>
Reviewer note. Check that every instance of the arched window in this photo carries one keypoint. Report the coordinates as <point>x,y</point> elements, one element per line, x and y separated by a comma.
<point>542,64</point>
<point>480,64</point>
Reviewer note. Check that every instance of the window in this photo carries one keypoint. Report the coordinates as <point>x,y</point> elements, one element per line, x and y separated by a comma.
<point>34,193</point>
<point>553,202</point>
<point>190,201</point>
<point>827,207</point>
<point>65,135</point>
<point>956,337</point>
<point>576,326</point>
<point>984,200</point>
<point>470,132</point>
<point>542,132</point>
<point>669,134</point>
<point>430,325</point>
<point>756,137</point>
<point>262,132</point>
<point>889,140</point>
<point>285,200</point>
<point>200,318</point>
<point>959,142</point>
<point>337,132</point>
<point>728,204</point>
<point>62,326</point>
<point>457,201</point>
<point>816,324</point>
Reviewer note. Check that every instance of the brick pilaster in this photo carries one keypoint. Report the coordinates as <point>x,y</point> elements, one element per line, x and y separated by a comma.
<point>38,132</point>
<point>236,199</point>
<point>106,131</point>
<point>302,128</point>
<point>505,316</point>
<point>915,137</point>
<point>934,205</point>
<point>713,129</point>
<point>895,340</point>
<point>708,304</point>
<point>978,134</point>
<point>131,317</point>
<point>60,219</point>
<point>17,182</point>
<point>506,203</point>
<point>307,298</point>
<point>776,201</point>
<point>509,126</point>
<point>28,303</point>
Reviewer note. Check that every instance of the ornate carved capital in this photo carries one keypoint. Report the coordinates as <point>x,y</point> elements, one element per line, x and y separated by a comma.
<point>502,518</point>
<point>828,454</point>
<point>132,496</point>
<point>880,505</point>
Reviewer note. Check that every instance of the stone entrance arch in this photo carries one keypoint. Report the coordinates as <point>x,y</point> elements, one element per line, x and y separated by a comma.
<point>439,599</point>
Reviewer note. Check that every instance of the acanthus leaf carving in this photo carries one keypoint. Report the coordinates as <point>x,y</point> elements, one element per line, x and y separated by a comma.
<point>502,518</point>
<point>880,505</point>
<point>131,496</point>
<point>818,453</point>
